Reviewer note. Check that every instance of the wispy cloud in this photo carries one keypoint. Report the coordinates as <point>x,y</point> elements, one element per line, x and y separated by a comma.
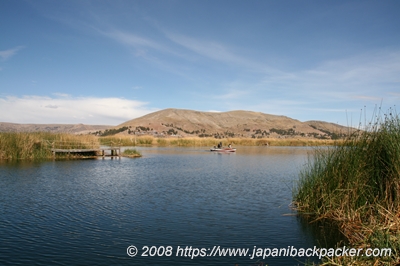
<point>213,50</point>
<point>6,54</point>
<point>139,46</point>
<point>131,39</point>
<point>372,75</point>
<point>367,98</point>
<point>70,110</point>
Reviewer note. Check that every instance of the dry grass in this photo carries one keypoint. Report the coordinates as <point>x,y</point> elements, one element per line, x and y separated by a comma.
<point>32,146</point>
<point>205,142</point>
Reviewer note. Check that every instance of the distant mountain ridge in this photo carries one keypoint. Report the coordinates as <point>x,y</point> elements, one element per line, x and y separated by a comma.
<point>229,124</point>
<point>54,128</point>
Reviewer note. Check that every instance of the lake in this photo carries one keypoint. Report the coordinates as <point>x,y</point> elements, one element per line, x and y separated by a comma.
<point>88,212</point>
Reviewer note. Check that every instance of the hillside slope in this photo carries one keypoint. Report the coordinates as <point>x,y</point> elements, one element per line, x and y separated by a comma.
<point>228,124</point>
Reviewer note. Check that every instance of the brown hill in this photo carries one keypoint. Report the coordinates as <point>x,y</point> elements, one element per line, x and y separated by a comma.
<point>228,124</point>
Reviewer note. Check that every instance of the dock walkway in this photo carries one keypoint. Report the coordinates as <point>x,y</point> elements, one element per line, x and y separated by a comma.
<point>88,149</point>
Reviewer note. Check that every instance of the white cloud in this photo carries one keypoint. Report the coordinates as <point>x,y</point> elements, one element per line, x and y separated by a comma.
<point>6,54</point>
<point>70,110</point>
<point>51,106</point>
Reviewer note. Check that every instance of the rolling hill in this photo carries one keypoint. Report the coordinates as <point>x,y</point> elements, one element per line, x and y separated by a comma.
<point>228,124</point>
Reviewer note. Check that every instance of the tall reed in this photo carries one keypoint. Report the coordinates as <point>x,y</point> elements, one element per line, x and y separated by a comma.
<point>358,184</point>
<point>37,145</point>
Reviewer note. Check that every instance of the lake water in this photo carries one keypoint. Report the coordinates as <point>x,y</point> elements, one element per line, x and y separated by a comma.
<point>87,212</point>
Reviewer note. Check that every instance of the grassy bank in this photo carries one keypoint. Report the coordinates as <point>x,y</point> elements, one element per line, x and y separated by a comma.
<point>357,184</point>
<point>34,146</point>
<point>129,140</point>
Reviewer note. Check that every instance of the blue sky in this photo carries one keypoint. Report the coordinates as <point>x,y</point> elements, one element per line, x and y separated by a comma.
<point>105,62</point>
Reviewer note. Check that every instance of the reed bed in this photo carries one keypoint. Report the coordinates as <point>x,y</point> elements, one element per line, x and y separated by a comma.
<point>129,140</point>
<point>357,184</point>
<point>37,145</point>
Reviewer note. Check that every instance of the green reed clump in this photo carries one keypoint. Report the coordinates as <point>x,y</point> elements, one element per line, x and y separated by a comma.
<point>365,169</point>
<point>357,184</point>
<point>131,153</point>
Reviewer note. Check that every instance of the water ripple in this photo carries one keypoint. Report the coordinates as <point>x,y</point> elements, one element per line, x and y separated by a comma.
<point>88,212</point>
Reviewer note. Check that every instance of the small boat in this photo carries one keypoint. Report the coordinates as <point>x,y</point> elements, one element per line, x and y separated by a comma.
<point>223,149</point>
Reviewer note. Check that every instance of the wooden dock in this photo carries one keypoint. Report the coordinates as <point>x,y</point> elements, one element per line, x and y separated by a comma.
<point>101,152</point>
<point>84,149</point>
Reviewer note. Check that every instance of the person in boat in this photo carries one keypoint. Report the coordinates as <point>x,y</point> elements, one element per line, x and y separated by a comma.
<point>220,145</point>
<point>230,146</point>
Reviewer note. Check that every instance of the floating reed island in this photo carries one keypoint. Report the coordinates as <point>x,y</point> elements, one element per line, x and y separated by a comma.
<point>131,153</point>
<point>357,185</point>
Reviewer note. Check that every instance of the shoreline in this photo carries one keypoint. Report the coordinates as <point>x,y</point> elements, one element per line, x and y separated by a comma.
<point>210,142</point>
<point>38,145</point>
